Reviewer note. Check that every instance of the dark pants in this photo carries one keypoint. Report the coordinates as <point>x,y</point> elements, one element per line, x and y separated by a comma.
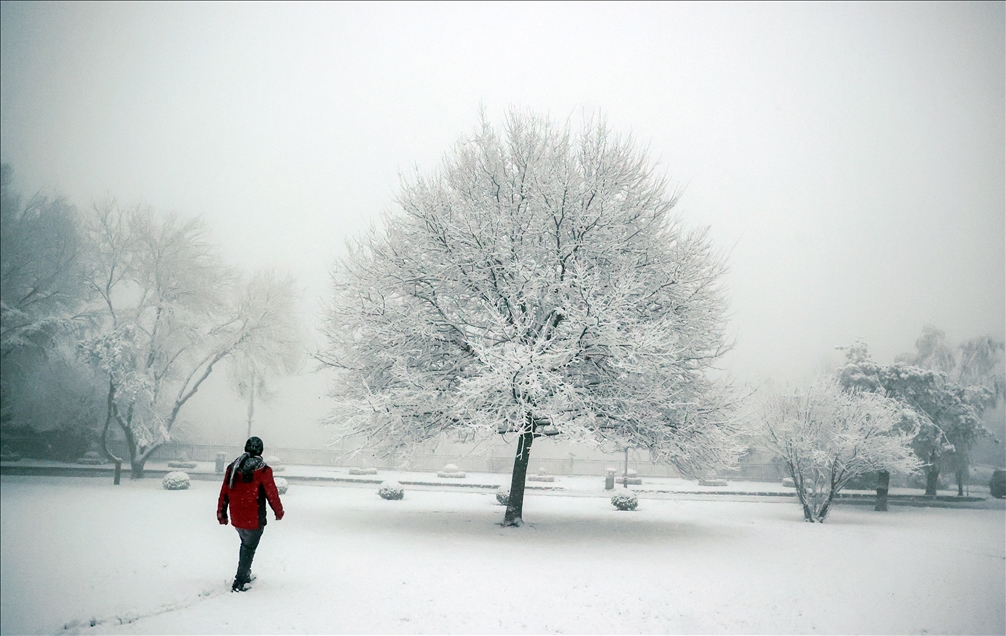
<point>249,542</point>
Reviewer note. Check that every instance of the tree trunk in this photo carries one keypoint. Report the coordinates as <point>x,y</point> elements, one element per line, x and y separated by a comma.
<point>960,482</point>
<point>883,485</point>
<point>801,494</point>
<point>823,512</point>
<point>932,479</point>
<point>136,468</point>
<point>515,502</point>
<point>808,514</point>
<point>104,436</point>
<point>140,458</point>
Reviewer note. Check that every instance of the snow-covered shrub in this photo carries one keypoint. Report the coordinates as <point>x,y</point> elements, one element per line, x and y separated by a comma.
<point>625,500</point>
<point>503,496</point>
<point>175,480</point>
<point>391,490</point>
<point>282,485</point>
<point>274,463</point>
<point>451,471</point>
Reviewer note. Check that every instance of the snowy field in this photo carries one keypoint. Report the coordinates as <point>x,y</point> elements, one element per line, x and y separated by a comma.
<point>136,559</point>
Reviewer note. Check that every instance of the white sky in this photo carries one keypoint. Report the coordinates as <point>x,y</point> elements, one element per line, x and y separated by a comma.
<point>850,157</point>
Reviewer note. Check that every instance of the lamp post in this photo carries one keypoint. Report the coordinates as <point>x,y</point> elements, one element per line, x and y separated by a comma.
<point>625,475</point>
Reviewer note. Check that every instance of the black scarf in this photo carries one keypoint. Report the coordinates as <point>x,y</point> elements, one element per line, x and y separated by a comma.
<point>246,464</point>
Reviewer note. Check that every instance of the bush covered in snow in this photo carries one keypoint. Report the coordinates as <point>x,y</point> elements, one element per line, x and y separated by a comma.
<point>391,490</point>
<point>451,471</point>
<point>175,480</point>
<point>503,496</point>
<point>626,500</point>
<point>275,463</point>
<point>281,485</point>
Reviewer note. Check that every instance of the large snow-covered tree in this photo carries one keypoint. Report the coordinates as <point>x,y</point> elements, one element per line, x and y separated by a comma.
<point>167,311</point>
<point>41,267</point>
<point>828,436</point>
<point>42,385</point>
<point>536,284</point>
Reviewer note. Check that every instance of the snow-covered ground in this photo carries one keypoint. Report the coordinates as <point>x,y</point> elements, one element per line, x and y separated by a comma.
<point>138,559</point>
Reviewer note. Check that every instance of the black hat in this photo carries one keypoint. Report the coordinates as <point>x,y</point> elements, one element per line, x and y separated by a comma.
<point>254,446</point>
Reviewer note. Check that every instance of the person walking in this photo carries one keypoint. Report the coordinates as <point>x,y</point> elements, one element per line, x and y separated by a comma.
<point>248,485</point>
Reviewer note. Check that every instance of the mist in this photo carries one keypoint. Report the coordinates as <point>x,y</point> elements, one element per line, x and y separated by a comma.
<point>848,158</point>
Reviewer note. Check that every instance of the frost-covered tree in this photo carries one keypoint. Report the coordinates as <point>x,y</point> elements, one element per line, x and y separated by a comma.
<point>828,436</point>
<point>41,273</point>
<point>931,352</point>
<point>981,364</point>
<point>949,414</point>
<point>536,284</point>
<point>41,291</point>
<point>266,354</point>
<point>167,311</point>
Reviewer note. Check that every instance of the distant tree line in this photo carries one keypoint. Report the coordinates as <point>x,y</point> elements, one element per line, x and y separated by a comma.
<point>948,392</point>
<point>923,412</point>
<point>114,317</point>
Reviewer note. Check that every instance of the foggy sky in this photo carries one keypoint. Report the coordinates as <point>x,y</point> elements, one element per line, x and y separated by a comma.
<point>849,158</point>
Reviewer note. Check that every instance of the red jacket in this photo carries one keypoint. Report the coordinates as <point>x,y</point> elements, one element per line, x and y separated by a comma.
<point>248,496</point>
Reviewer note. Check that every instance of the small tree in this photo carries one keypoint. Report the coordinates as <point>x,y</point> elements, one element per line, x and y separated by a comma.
<point>270,352</point>
<point>827,437</point>
<point>536,284</point>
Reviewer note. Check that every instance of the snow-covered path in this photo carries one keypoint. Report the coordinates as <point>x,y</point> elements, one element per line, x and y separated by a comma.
<point>346,561</point>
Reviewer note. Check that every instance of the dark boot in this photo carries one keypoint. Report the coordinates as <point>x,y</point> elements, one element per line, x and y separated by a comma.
<point>237,586</point>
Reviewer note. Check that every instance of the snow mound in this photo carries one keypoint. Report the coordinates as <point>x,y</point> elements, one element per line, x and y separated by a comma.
<point>91,457</point>
<point>541,476</point>
<point>391,490</point>
<point>712,482</point>
<point>282,485</point>
<point>366,470</point>
<point>175,480</point>
<point>451,471</point>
